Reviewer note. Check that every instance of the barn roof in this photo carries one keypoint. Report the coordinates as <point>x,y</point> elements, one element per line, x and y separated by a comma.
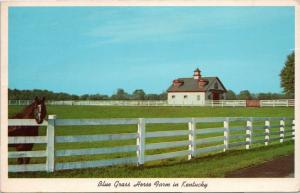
<point>191,85</point>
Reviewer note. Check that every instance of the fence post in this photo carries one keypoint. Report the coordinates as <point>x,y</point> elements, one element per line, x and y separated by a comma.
<point>192,138</point>
<point>226,134</point>
<point>141,141</point>
<point>51,143</point>
<point>249,133</point>
<point>282,125</point>
<point>293,129</point>
<point>267,132</point>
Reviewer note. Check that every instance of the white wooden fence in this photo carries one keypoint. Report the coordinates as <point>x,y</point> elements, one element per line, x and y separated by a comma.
<point>208,103</point>
<point>195,145</point>
<point>277,103</point>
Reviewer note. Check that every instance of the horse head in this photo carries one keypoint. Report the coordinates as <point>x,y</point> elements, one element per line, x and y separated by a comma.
<point>39,109</point>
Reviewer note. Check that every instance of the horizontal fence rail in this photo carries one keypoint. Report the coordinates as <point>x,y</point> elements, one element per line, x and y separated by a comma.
<point>208,103</point>
<point>18,154</point>
<point>18,140</point>
<point>89,138</point>
<point>91,164</point>
<point>201,140</point>
<point>93,151</point>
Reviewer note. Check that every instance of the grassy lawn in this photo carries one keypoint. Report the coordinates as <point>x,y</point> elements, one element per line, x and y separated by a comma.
<point>146,112</point>
<point>76,112</point>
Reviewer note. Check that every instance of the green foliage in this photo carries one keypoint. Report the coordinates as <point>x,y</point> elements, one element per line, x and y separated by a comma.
<point>163,96</point>
<point>15,94</point>
<point>287,76</point>
<point>121,94</point>
<point>152,97</point>
<point>230,95</point>
<point>245,95</point>
<point>138,94</point>
<point>270,96</point>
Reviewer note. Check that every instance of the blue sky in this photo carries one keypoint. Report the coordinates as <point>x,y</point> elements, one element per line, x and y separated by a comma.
<point>100,49</point>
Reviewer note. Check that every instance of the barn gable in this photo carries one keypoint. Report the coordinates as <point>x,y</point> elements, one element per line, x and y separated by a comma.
<point>216,84</point>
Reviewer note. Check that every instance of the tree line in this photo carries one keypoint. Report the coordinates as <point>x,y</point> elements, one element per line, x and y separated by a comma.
<point>247,95</point>
<point>121,94</point>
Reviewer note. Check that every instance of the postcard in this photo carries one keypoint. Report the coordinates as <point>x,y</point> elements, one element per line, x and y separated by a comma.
<point>149,96</point>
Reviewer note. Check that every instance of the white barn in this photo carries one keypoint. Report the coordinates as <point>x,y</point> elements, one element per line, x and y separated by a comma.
<point>196,90</point>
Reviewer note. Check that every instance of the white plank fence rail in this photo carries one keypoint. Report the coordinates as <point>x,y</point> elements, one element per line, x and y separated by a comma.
<point>221,139</point>
<point>93,151</point>
<point>208,103</point>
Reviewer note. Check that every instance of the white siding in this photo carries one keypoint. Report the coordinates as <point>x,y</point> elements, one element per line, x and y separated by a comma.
<point>191,98</point>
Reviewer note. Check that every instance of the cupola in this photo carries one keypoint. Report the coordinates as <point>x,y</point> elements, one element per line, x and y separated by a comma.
<point>197,74</point>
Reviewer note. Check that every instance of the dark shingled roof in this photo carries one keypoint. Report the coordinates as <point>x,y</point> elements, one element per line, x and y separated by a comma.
<point>191,85</point>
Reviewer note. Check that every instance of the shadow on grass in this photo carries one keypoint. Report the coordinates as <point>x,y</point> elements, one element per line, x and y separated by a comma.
<point>208,157</point>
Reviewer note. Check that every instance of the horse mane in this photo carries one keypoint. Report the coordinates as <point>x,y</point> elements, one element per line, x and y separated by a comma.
<point>24,112</point>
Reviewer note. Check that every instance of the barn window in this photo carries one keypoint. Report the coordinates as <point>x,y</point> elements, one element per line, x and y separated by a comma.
<point>173,96</point>
<point>185,96</point>
<point>198,97</point>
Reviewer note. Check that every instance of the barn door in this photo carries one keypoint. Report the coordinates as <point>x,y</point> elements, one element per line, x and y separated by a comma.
<point>215,96</point>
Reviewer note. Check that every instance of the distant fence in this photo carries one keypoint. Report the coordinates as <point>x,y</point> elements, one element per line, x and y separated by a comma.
<point>195,145</point>
<point>208,103</point>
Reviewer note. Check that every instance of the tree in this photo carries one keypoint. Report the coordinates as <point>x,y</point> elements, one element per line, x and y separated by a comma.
<point>138,94</point>
<point>264,96</point>
<point>163,96</point>
<point>270,96</point>
<point>230,95</point>
<point>244,95</point>
<point>85,97</point>
<point>152,97</point>
<point>287,76</point>
<point>120,95</point>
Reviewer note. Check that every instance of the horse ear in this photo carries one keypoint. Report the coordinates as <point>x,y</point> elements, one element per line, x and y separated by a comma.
<point>43,99</point>
<point>36,99</point>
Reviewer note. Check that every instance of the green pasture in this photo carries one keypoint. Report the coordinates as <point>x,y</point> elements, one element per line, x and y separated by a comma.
<point>76,112</point>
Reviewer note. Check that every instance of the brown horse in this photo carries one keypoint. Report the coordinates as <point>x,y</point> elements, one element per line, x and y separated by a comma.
<point>36,110</point>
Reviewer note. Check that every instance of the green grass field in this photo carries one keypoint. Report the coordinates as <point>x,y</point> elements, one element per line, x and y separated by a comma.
<point>175,167</point>
<point>146,112</point>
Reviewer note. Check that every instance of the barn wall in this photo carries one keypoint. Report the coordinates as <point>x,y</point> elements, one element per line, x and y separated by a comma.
<point>192,98</point>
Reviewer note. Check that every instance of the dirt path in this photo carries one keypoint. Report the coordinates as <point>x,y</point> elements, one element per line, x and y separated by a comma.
<point>280,167</point>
